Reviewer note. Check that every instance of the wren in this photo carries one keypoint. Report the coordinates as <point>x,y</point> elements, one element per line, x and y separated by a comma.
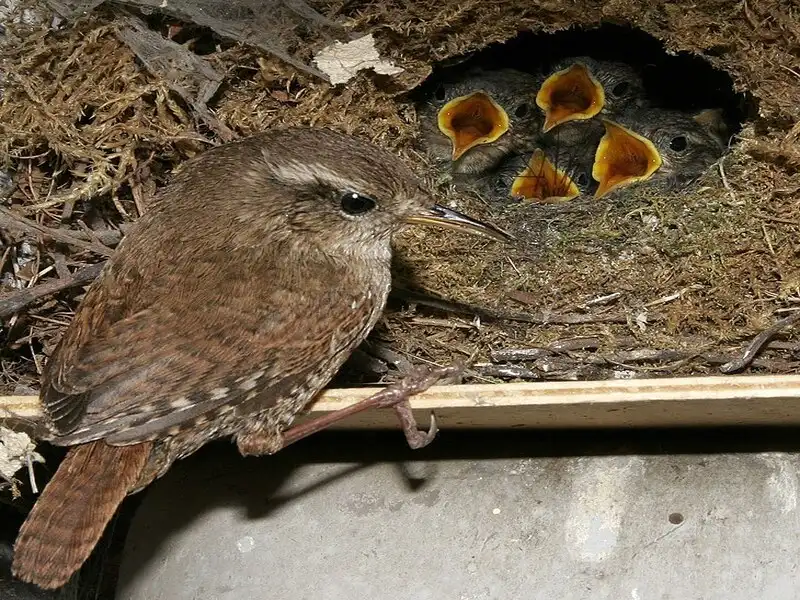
<point>228,306</point>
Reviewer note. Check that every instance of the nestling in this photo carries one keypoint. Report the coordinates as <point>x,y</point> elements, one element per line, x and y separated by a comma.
<point>472,122</point>
<point>580,88</point>
<point>664,148</point>
<point>225,310</point>
<point>547,175</point>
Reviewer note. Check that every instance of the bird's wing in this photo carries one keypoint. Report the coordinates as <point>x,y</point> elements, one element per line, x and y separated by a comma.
<point>233,336</point>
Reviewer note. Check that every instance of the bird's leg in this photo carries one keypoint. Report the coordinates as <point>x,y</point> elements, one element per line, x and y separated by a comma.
<point>415,437</point>
<point>396,396</point>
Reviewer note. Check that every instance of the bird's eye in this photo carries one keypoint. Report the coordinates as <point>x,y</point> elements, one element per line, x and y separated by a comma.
<point>356,204</point>
<point>439,94</point>
<point>620,89</point>
<point>679,143</point>
<point>521,110</point>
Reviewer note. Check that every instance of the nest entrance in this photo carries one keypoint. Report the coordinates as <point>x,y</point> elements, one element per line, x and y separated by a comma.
<point>672,80</point>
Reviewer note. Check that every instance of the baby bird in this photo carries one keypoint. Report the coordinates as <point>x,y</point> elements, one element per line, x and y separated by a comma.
<point>547,175</point>
<point>580,88</point>
<point>560,169</point>
<point>471,123</point>
<point>665,148</point>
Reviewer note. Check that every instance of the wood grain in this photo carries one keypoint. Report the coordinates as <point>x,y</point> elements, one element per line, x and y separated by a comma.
<point>689,401</point>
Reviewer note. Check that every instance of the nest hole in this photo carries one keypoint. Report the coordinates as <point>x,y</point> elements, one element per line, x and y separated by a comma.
<point>672,80</point>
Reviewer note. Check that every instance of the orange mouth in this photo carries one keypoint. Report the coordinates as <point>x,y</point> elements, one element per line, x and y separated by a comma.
<point>569,95</point>
<point>623,157</point>
<point>472,120</point>
<point>541,181</point>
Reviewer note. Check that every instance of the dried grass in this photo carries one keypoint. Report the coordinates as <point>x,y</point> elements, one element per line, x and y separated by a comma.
<point>89,134</point>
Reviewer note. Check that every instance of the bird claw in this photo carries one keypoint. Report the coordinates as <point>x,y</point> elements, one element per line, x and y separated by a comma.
<point>414,383</point>
<point>416,438</point>
<point>395,396</point>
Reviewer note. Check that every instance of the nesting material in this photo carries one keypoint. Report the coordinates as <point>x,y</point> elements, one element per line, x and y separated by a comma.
<point>17,451</point>
<point>342,61</point>
<point>654,284</point>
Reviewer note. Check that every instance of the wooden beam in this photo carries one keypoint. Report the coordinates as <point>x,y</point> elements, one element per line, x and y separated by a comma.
<point>668,402</point>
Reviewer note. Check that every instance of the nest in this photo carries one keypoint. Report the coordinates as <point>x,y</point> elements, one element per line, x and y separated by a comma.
<point>655,284</point>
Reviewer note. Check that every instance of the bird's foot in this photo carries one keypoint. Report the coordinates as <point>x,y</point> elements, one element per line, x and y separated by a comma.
<point>416,437</point>
<point>395,396</point>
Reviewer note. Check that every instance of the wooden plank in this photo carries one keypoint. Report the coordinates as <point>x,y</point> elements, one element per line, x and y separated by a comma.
<point>690,401</point>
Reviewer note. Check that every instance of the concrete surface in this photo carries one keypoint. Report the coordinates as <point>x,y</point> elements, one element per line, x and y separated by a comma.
<point>558,517</point>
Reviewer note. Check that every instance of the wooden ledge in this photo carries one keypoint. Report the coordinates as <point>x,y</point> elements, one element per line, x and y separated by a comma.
<point>663,402</point>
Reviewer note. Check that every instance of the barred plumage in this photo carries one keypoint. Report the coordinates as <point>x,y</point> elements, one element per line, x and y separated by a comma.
<point>224,311</point>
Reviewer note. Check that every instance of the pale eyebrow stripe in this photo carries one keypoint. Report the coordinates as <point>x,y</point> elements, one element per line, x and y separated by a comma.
<point>294,172</point>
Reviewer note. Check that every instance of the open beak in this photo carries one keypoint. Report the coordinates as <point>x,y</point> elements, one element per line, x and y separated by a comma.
<point>623,157</point>
<point>542,181</point>
<point>569,95</point>
<point>441,216</point>
<point>472,120</point>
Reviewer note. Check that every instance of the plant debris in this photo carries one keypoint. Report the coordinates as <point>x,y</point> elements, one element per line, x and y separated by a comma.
<point>17,450</point>
<point>98,111</point>
<point>341,62</point>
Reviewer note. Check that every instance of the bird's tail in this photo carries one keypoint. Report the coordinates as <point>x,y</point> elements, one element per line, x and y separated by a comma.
<point>70,516</point>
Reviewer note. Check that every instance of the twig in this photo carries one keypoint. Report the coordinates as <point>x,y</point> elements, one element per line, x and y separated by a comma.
<point>546,370</point>
<point>748,14</point>
<point>9,220</point>
<point>386,354</point>
<point>507,371</point>
<point>581,343</point>
<point>767,240</point>
<point>16,301</point>
<point>674,296</point>
<point>755,346</point>
<point>602,300</point>
<point>188,75</point>
<point>726,184</point>
<point>777,219</point>
<point>450,324</point>
<point>538,317</point>
<point>791,70</point>
<point>625,358</point>
<point>518,354</point>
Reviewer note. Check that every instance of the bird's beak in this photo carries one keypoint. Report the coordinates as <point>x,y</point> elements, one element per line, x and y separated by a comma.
<point>623,157</point>
<point>542,181</point>
<point>472,120</point>
<point>569,95</point>
<point>445,217</point>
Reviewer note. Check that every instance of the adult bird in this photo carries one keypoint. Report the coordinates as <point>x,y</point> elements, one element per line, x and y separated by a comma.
<point>225,310</point>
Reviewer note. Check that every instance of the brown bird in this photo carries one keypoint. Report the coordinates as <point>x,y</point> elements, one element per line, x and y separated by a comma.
<point>225,310</point>
<point>472,122</point>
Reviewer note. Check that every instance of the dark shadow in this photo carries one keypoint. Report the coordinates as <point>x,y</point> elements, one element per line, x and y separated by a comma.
<point>254,484</point>
<point>680,81</point>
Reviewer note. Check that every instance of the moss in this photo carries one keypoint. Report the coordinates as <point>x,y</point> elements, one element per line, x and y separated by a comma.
<point>89,133</point>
